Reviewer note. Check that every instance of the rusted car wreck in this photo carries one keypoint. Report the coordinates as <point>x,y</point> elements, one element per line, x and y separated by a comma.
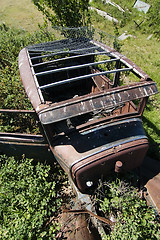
<point>89,99</point>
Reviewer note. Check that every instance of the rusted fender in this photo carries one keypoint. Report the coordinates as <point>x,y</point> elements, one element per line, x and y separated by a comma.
<point>150,173</point>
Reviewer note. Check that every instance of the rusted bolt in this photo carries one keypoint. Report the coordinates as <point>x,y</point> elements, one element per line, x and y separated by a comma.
<point>118,166</point>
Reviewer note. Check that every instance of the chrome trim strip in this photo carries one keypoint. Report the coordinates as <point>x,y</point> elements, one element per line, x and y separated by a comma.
<point>112,124</point>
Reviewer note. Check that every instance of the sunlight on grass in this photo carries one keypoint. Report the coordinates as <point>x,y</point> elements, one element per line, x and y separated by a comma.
<point>20,14</point>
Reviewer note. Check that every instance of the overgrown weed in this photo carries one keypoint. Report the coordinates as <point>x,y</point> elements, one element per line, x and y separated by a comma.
<point>119,200</point>
<point>29,197</point>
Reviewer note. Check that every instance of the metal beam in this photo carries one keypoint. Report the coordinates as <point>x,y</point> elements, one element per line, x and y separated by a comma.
<point>64,52</point>
<point>83,77</point>
<point>105,100</point>
<point>71,57</point>
<point>75,67</point>
<point>16,111</point>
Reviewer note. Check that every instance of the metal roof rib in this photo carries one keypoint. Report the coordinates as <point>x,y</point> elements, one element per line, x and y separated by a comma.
<point>64,52</point>
<point>75,67</point>
<point>83,77</point>
<point>72,57</point>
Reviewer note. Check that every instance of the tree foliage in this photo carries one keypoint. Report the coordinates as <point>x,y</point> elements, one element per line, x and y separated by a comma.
<point>153,17</point>
<point>71,13</point>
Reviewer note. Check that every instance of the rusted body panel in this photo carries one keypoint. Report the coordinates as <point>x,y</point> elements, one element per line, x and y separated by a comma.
<point>97,150</point>
<point>89,107</point>
<point>28,82</point>
<point>107,100</point>
<point>32,146</point>
<point>150,178</point>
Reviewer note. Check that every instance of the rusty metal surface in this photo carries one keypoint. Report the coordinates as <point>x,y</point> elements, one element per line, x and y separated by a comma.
<point>17,111</point>
<point>153,188</point>
<point>106,100</point>
<point>32,146</point>
<point>150,177</point>
<point>93,153</point>
<point>88,142</point>
<point>28,79</point>
<point>70,90</point>
<point>75,227</point>
<point>87,175</point>
<point>21,137</point>
<point>84,202</point>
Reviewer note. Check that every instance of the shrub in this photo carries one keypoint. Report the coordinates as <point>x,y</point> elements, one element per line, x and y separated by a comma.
<point>153,19</point>
<point>65,13</point>
<point>133,218</point>
<point>12,94</point>
<point>28,199</point>
<point>12,40</point>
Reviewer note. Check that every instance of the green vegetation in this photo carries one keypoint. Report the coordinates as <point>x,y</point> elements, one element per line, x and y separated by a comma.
<point>150,22</point>
<point>65,13</point>
<point>20,14</point>
<point>29,198</point>
<point>30,192</point>
<point>11,42</point>
<point>145,53</point>
<point>119,200</point>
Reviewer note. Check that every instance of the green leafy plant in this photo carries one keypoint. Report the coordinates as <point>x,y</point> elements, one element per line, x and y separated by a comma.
<point>133,218</point>
<point>29,198</point>
<point>65,13</point>
<point>116,44</point>
<point>12,94</point>
<point>153,18</point>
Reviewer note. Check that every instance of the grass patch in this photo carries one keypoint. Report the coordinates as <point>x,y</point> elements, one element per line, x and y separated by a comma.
<point>146,54</point>
<point>20,14</point>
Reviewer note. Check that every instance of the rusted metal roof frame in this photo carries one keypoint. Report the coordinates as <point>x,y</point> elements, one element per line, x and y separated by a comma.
<point>76,67</point>
<point>70,57</point>
<point>63,52</point>
<point>29,80</point>
<point>90,103</point>
<point>123,59</point>
<point>72,107</point>
<point>84,77</point>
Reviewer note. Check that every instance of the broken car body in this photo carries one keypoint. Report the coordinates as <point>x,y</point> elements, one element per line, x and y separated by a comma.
<point>89,99</point>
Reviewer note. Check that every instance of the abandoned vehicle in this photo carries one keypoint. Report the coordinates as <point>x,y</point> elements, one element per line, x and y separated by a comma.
<point>89,100</point>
